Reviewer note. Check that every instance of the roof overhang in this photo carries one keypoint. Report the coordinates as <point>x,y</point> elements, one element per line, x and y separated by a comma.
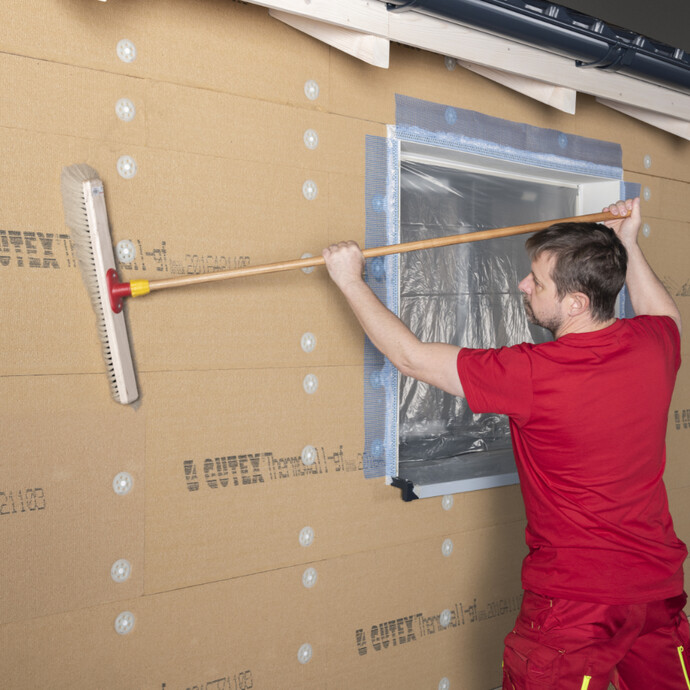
<point>365,29</point>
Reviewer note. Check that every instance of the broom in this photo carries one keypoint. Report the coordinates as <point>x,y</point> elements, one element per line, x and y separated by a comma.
<point>86,216</point>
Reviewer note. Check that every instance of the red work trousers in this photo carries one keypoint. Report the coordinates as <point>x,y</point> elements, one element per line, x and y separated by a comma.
<point>559,644</point>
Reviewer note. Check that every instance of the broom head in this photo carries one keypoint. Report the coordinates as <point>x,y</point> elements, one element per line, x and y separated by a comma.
<point>86,216</point>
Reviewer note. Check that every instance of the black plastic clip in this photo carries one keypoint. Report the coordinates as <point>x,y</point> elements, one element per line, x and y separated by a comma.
<point>617,56</point>
<point>401,5</point>
<point>407,488</point>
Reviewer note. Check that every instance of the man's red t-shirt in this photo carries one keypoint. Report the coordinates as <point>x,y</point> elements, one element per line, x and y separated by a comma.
<point>588,415</point>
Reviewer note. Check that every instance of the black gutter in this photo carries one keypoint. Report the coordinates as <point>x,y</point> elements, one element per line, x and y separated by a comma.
<point>588,40</point>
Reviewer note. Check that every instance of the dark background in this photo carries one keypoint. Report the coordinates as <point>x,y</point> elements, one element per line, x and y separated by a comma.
<point>667,21</point>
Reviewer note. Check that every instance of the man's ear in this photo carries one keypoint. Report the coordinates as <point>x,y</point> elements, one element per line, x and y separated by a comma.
<point>578,303</point>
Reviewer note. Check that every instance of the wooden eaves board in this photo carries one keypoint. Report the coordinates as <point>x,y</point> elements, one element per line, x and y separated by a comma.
<point>365,28</point>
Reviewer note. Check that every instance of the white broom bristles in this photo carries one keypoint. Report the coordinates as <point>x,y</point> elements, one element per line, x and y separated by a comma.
<point>86,217</point>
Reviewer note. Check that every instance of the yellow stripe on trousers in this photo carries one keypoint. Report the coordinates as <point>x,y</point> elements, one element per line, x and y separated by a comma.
<point>682,664</point>
<point>586,679</point>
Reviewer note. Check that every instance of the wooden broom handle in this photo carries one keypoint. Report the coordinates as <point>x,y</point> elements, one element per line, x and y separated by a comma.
<point>163,283</point>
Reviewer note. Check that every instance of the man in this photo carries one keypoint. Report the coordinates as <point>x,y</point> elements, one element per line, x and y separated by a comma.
<point>588,411</point>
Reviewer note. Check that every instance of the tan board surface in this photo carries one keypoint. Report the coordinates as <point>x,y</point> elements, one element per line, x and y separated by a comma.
<point>366,619</point>
<point>211,527</point>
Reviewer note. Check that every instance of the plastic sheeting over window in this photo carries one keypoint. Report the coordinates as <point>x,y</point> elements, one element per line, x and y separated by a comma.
<point>467,295</point>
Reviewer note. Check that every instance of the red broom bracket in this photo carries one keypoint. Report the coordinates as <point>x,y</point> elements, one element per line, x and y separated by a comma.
<point>117,290</point>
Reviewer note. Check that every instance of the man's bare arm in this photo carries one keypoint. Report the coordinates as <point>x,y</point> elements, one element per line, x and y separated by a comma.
<point>647,293</point>
<point>433,363</point>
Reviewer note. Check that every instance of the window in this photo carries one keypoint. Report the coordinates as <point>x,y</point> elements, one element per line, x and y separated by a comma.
<point>468,295</point>
<point>444,171</point>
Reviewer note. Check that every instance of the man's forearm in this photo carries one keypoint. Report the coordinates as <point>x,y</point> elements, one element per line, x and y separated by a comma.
<point>385,330</point>
<point>433,363</point>
<point>647,293</point>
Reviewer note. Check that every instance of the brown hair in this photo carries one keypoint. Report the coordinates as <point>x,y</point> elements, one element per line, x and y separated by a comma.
<point>589,259</point>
